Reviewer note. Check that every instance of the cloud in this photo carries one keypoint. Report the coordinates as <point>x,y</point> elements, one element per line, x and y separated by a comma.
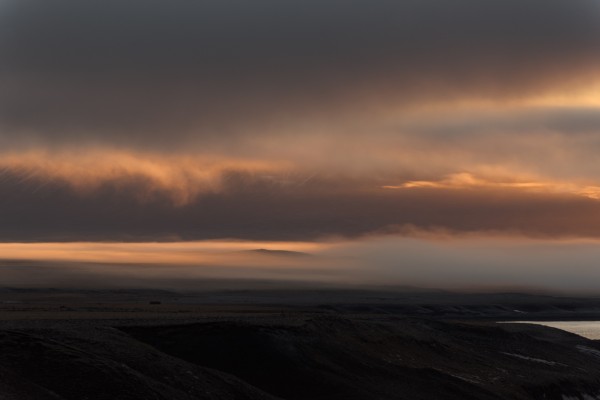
<point>151,74</point>
<point>284,206</point>
<point>184,265</point>
<point>474,263</point>
<point>466,181</point>
<point>477,263</point>
<point>181,178</point>
<point>154,120</point>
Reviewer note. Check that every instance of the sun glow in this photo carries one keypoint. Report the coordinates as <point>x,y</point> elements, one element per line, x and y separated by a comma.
<point>464,181</point>
<point>176,253</point>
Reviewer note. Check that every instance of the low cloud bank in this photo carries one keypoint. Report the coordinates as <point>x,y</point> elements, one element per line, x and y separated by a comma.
<point>458,263</point>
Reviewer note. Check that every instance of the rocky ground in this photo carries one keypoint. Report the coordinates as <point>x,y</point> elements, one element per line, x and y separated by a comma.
<point>321,351</point>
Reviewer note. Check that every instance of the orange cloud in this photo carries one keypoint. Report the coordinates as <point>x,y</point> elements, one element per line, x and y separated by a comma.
<point>182,177</point>
<point>468,181</point>
<point>176,253</point>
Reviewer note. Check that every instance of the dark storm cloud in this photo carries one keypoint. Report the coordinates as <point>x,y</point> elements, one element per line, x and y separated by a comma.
<point>157,72</point>
<point>254,208</point>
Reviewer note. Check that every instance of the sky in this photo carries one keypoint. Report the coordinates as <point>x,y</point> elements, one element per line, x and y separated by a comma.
<point>441,127</point>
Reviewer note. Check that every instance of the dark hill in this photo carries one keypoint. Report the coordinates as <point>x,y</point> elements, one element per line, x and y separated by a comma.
<point>332,358</point>
<point>104,364</point>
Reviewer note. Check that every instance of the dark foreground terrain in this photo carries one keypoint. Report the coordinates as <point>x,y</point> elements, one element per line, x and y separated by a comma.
<point>97,345</point>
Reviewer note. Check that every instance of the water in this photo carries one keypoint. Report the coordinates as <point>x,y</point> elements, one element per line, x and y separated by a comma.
<point>587,329</point>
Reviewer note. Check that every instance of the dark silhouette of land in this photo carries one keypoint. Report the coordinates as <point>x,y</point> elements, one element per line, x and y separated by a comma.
<point>294,343</point>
